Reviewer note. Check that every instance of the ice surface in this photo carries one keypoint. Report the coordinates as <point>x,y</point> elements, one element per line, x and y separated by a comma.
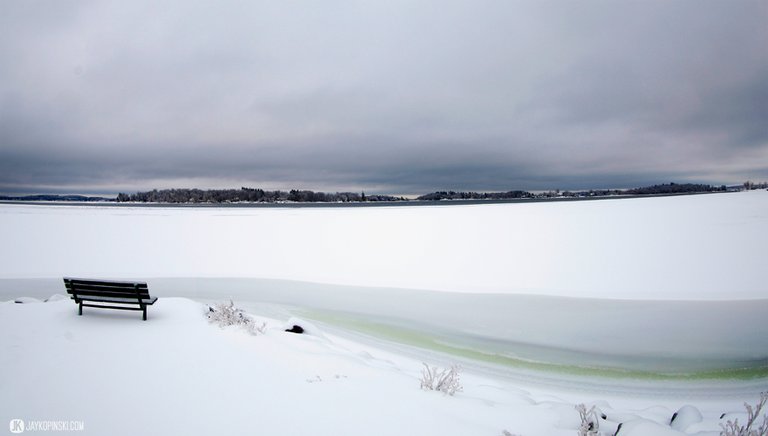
<point>689,247</point>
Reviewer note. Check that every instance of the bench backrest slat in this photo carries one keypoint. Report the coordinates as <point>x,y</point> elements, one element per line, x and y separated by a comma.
<point>104,288</point>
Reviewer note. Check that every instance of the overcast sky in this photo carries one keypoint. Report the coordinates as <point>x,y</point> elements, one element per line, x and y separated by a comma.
<point>385,96</point>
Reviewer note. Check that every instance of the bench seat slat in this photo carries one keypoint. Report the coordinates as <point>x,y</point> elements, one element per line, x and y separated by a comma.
<point>103,306</point>
<point>133,300</point>
<point>86,287</point>
<point>133,295</point>
<point>78,282</point>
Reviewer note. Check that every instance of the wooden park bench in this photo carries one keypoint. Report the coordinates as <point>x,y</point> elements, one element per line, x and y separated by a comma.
<point>109,294</point>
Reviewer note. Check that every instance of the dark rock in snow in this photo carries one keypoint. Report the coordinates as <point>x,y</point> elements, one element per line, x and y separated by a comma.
<point>295,329</point>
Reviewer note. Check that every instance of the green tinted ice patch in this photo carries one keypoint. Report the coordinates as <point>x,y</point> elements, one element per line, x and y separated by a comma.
<point>443,344</point>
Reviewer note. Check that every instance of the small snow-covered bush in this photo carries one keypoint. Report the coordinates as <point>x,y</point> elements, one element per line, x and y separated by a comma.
<point>443,380</point>
<point>223,314</point>
<point>590,425</point>
<point>732,428</point>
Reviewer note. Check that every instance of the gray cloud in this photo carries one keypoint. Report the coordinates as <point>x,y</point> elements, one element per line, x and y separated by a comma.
<point>401,97</point>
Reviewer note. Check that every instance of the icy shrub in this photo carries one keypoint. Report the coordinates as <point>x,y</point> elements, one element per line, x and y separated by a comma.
<point>223,314</point>
<point>589,422</point>
<point>732,428</point>
<point>443,380</point>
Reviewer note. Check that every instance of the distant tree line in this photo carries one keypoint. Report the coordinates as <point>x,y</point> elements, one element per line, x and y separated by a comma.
<point>451,195</point>
<point>53,197</point>
<point>669,188</point>
<point>674,188</point>
<point>590,193</point>
<point>251,195</point>
<point>255,195</point>
<point>750,185</point>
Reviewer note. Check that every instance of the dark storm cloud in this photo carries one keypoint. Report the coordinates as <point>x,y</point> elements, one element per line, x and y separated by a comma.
<point>400,97</point>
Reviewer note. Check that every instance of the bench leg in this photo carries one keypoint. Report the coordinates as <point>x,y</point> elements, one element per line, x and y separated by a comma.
<point>81,309</point>
<point>144,310</point>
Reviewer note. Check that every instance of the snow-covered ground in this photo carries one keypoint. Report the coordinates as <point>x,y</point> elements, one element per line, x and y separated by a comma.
<point>177,374</point>
<point>639,306</point>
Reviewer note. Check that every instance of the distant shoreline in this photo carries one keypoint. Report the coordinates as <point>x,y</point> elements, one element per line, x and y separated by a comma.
<point>400,203</point>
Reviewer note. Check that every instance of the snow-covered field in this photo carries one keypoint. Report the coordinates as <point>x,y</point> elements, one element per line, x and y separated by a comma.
<point>176,374</point>
<point>638,306</point>
<point>692,247</point>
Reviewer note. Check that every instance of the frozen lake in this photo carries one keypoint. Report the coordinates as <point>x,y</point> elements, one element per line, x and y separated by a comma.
<point>643,289</point>
<point>673,248</point>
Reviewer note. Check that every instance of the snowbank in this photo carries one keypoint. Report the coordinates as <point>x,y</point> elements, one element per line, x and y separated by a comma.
<point>178,374</point>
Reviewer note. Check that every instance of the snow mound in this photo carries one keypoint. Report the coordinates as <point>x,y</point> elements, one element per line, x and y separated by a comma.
<point>645,427</point>
<point>685,417</point>
<point>56,297</point>
<point>26,300</point>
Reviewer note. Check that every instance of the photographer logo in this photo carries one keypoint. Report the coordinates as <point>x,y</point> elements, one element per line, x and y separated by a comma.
<point>17,426</point>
